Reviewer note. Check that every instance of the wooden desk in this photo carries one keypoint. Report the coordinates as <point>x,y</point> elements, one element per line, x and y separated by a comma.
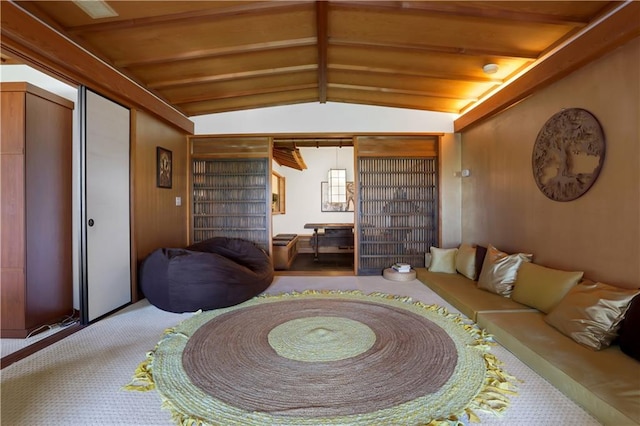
<point>333,234</point>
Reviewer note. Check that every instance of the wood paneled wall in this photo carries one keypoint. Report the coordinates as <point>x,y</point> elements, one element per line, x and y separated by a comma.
<point>158,222</point>
<point>599,233</point>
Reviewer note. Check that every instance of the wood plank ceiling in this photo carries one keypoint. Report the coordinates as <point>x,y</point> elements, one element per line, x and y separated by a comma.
<point>207,57</point>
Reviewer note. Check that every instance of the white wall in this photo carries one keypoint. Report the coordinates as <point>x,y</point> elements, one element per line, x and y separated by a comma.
<point>37,78</point>
<point>324,118</point>
<point>303,190</point>
<point>20,73</point>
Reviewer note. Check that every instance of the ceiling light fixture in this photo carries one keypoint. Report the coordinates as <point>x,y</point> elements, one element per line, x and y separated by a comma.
<point>490,68</point>
<point>96,8</point>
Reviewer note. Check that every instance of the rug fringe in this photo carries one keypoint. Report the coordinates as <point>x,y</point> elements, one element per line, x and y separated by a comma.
<point>494,395</point>
<point>142,379</point>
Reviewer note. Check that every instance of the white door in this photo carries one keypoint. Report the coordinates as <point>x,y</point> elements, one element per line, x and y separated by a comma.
<point>106,222</point>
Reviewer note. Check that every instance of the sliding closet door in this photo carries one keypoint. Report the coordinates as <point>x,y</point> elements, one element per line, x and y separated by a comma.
<point>106,270</point>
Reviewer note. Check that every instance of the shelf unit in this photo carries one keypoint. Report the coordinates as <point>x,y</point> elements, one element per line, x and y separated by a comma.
<point>397,211</point>
<point>231,198</point>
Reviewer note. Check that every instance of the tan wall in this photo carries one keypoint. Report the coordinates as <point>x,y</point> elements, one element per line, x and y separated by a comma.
<point>450,190</point>
<point>158,222</point>
<point>598,233</point>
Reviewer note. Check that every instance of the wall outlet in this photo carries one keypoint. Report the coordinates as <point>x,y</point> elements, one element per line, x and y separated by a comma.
<point>178,201</point>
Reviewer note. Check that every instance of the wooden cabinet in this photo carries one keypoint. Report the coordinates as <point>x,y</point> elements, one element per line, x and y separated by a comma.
<point>36,208</point>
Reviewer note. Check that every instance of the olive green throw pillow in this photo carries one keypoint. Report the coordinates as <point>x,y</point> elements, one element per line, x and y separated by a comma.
<point>591,313</point>
<point>541,287</point>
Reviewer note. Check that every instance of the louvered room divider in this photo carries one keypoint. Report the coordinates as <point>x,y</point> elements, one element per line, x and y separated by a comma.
<point>397,202</point>
<point>231,197</point>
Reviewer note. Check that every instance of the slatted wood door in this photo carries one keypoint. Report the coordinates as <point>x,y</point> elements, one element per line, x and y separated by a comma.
<point>230,199</point>
<point>397,202</point>
<point>231,188</point>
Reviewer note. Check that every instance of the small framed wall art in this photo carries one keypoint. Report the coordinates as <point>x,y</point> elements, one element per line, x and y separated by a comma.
<point>164,168</point>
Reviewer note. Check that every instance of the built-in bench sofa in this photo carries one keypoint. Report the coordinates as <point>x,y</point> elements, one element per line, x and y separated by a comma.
<point>605,382</point>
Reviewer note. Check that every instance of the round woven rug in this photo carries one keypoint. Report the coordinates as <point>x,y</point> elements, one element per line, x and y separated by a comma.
<point>324,358</point>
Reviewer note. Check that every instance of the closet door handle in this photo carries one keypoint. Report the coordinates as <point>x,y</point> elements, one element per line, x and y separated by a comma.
<point>91,222</point>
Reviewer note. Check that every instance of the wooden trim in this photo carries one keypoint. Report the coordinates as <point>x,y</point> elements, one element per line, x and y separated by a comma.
<point>37,91</point>
<point>51,52</point>
<point>397,146</point>
<point>41,344</point>
<point>613,31</point>
<point>226,147</point>
<point>440,192</point>
<point>133,139</point>
<point>314,135</point>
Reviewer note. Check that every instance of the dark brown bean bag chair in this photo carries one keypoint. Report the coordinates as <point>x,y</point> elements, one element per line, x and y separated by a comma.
<point>212,274</point>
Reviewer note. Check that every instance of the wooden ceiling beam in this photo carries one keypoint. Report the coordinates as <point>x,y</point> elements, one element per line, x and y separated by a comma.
<point>231,76</point>
<point>391,104</point>
<point>426,49</point>
<point>251,102</point>
<point>467,10</point>
<point>398,91</point>
<point>400,73</point>
<point>264,91</point>
<point>322,23</point>
<point>613,30</point>
<point>289,157</point>
<point>217,52</point>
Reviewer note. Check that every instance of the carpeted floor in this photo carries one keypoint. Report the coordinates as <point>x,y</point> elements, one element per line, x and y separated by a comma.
<point>79,380</point>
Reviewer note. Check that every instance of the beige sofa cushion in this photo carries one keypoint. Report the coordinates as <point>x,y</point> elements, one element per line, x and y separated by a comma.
<point>443,260</point>
<point>591,313</point>
<point>541,287</point>
<point>604,382</point>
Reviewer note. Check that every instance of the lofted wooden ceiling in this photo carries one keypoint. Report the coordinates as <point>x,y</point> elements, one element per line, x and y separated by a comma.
<point>207,57</point>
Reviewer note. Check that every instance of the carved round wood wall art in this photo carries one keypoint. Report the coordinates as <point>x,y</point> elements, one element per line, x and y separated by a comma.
<point>568,154</point>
